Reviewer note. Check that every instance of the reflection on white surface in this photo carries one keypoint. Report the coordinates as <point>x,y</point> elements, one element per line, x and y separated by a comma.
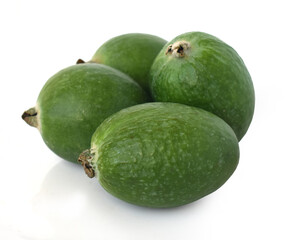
<point>72,206</point>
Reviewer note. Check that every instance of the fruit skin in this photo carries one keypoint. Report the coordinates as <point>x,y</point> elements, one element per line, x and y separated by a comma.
<point>132,54</point>
<point>162,154</point>
<point>76,100</point>
<point>208,74</point>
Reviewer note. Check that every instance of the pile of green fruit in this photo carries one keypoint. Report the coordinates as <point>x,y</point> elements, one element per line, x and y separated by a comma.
<point>162,119</point>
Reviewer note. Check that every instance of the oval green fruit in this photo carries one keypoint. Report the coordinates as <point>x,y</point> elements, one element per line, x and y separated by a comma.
<point>131,53</point>
<point>200,70</point>
<point>75,101</point>
<point>162,154</point>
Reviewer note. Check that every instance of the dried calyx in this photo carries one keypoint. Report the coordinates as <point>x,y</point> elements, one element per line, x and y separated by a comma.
<point>30,117</point>
<point>178,49</point>
<point>85,159</point>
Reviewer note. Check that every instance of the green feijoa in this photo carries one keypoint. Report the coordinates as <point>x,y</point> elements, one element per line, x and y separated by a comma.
<point>162,154</point>
<point>131,53</point>
<point>200,70</point>
<point>75,101</point>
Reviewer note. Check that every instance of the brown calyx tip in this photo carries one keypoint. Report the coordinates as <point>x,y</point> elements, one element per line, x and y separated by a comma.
<point>85,158</point>
<point>178,49</point>
<point>30,117</point>
<point>80,61</point>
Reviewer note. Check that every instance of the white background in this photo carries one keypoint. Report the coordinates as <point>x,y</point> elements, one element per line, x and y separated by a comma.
<point>45,197</point>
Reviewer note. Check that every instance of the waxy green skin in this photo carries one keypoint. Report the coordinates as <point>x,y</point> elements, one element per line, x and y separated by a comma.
<point>163,154</point>
<point>132,54</point>
<point>211,76</point>
<point>76,100</point>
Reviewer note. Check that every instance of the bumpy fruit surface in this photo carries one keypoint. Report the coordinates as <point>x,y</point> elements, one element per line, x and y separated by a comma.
<point>75,101</point>
<point>200,70</point>
<point>131,53</point>
<point>162,154</point>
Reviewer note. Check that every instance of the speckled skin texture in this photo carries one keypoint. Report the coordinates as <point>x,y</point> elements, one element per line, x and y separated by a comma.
<point>211,76</point>
<point>76,100</point>
<point>132,54</point>
<point>163,154</point>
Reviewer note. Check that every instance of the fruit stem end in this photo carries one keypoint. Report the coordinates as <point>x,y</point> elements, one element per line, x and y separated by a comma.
<point>80,61</point>
<point>85,160</point>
